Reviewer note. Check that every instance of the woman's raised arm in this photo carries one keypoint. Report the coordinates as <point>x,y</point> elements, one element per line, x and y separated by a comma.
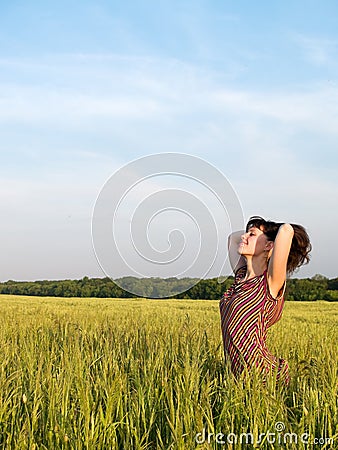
<point>279,258</point>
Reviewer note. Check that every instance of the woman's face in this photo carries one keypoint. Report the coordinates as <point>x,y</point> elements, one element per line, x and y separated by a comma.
<point>253,242</point>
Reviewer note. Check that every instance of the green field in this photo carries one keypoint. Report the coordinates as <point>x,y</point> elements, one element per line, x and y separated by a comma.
<point>150,374</point>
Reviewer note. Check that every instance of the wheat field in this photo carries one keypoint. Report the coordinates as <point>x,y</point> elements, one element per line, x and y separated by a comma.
<point>150,374</point>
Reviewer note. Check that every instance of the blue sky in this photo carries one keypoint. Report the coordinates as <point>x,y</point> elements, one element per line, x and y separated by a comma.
<point>86,87</point>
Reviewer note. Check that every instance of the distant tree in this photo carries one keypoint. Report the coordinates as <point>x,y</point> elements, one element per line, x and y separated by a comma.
<point>316,288</point>
<point>319,277</point>
<point>333,284</point>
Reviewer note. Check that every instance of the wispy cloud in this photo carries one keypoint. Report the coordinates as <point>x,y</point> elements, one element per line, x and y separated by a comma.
<point>314,108</point>
<point>165,105</point>
<point>146,89</point>
<point>318,51</point>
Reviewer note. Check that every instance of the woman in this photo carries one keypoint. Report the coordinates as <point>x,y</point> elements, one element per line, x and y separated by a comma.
<point>261,258</point>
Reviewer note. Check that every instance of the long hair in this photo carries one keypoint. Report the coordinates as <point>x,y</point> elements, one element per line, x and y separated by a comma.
<point>300,245</point>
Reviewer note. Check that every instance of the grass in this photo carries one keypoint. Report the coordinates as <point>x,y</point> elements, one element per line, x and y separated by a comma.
<point>150,374</point>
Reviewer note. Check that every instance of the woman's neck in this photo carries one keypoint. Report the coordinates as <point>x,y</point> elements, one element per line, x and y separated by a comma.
<point>254,267</point>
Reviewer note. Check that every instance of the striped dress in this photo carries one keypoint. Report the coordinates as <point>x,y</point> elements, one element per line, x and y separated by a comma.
<point>247,311</point>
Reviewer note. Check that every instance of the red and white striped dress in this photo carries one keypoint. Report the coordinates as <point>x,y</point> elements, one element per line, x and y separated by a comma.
<point>247,311</point>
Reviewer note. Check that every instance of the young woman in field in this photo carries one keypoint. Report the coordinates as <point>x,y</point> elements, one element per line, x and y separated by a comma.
<point>261,258</point>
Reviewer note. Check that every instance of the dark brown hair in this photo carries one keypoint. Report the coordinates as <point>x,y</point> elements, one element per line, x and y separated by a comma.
<point>300,246</point>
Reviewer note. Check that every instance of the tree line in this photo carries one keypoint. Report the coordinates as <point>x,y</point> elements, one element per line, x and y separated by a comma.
<point>305,289</point>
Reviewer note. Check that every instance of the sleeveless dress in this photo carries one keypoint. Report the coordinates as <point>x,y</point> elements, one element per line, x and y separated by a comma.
<point>247,311</point>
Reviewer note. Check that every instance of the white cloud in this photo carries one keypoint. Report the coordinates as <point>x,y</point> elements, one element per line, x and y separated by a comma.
<point>157,90</point>
<point>18,103</point>
<point>318,51</point>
